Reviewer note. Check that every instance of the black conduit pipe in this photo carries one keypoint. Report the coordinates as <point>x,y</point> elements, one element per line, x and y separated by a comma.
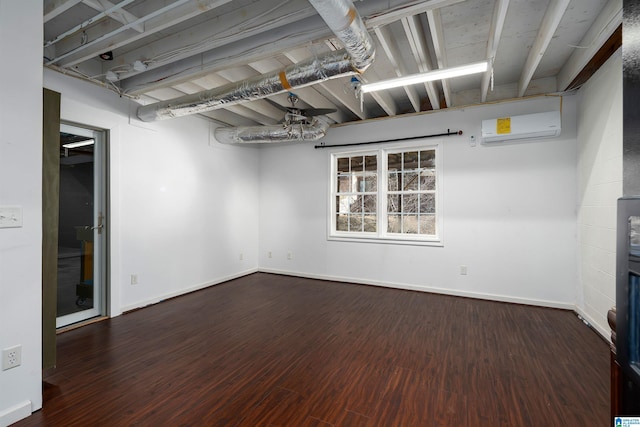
<point>447,133</point>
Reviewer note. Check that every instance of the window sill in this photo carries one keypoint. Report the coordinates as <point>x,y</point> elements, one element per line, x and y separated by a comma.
<point>386,241</point>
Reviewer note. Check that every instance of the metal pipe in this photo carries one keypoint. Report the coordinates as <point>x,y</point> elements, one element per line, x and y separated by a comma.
<point>447,133</point>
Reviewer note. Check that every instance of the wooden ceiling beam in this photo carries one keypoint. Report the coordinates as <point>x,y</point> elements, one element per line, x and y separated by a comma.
<point>405,10</point>
<point>112,36</point>
<point>605,33</point>
<point>497,24</point>
<point>53,8</point>
<point>417,40</point>
<point>390,47</point>
<point>550,23</point>
<point>118,14</point>
<point>437,37</point>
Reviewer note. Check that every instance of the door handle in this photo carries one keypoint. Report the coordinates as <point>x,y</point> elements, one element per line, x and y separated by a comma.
<point>100,225</point>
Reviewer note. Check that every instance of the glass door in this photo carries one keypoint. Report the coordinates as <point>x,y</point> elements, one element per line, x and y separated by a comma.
<point>81,231</point>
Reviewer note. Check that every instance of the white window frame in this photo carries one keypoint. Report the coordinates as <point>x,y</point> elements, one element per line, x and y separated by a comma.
<point>381,235</point>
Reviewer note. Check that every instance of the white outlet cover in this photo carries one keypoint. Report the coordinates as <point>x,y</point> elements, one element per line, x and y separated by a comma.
<point>10,216</point>
<point>11,357</point>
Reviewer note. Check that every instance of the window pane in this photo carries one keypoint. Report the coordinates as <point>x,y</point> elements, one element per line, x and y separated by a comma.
<point>343,203</point>
<point>393,181</point>
<point>428,159</point>
<point>343,164</point>
<point>342,222</point>
<point>410,224</point>
<point>370,204</point>
<point>394,223</point>
<point>356,205</point>
<point>410,160</point>
<point>394,161</point>
<point>393,203</point>
<point>355,223</point>
<point>410,203</point>
<point>371,183</point>
<point>371,163</point>
<point>410,181</point>
<point>357,164</point>
<point>370,223</point>
<point>427,203</point>
<point>359,183</point>
<point>427,180</point>
<point>427,224</point>
<point>344,184</point>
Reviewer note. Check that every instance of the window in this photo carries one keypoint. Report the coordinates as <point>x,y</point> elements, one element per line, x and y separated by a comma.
<point>388,194</point>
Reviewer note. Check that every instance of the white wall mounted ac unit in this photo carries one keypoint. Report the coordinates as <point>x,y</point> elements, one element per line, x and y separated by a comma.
<point>528,126</point>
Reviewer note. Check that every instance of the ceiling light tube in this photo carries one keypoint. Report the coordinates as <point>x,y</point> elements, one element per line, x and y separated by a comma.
<point>445,73</point>
<point>78,144</point>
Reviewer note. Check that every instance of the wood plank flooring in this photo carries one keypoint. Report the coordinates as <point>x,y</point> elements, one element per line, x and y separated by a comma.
<point>269,350</point>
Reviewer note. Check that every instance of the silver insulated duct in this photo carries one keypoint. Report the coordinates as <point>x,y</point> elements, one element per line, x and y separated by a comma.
<point>282,133</point>
<point>344,21</point>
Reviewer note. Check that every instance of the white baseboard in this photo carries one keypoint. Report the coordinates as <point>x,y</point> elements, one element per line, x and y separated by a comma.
<point>604,332</point>
<point>15,413</point>
<point>184,291</point>
<point>431,289</point>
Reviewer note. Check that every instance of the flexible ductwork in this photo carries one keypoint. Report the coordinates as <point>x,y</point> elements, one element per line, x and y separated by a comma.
<point>344,21</point>
<point>281,133</point>
<point>305,73</point>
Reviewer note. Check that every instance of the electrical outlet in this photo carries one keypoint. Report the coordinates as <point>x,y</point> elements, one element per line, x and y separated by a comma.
<point>463,270</point>
<point>289,255</point>
<point>11,357</point>
<point>134,279</point>
<point>241,256</point>
<point>269,254</point>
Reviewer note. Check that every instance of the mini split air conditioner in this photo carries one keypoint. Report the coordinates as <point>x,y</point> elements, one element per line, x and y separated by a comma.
<point>529,126</point>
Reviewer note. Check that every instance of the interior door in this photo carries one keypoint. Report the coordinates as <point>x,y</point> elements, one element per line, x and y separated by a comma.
<point>81,227</point>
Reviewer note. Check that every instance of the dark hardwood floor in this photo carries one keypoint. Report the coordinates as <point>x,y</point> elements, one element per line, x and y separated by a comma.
<point>269,350</point>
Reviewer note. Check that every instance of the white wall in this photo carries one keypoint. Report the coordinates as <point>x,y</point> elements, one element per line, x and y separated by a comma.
<point>600,185</point>
<point>21,185</point>
<point>183,207</point>
<point>509,211</point>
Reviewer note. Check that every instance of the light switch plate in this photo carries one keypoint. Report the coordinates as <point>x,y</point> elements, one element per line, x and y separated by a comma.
<point>10,216</point>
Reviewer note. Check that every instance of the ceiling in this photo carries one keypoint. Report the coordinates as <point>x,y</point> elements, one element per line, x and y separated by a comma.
<point>164,49</point>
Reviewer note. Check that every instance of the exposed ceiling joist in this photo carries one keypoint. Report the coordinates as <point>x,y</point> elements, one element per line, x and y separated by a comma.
<point>230,27</point>
<point>154,21</point>
<point>390,47</point>
<point>116,12</point>
<point>550,23</point>
<point>609,19</point>
<point>497,24</point>
<point>416,37</point>
<point>53,8</point>
<point>263,46</point>
<point>381,97</point>
<point>406,10</point>
<point>437,36</point>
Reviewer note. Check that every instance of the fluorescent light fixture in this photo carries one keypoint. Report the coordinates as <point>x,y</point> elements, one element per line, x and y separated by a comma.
<point>78,144</point>
<point>445,73</point>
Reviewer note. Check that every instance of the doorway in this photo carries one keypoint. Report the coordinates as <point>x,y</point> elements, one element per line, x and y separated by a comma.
<point>81,279</point>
